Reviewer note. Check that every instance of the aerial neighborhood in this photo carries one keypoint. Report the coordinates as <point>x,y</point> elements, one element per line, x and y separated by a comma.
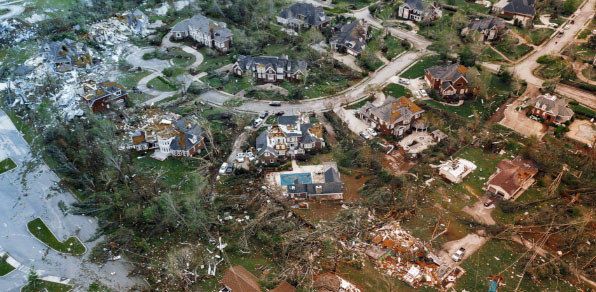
<point>281,146</point>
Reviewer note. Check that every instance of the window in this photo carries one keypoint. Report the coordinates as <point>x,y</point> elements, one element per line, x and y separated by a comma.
<point>266,154</point>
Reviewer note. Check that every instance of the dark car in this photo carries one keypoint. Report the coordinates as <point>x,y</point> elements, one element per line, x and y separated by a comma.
<point>230,168</point>
<point>275,103</point>
<point>280,113</point>
<point>489,202</point>
<point>264,114</point>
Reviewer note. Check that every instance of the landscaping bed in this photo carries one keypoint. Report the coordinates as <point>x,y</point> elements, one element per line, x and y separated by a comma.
<point>71,246</point>
<point>42,286</point>
<point>5,267</point>
<point>7,165</point>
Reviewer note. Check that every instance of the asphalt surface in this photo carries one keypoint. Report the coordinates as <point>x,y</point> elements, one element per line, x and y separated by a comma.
<point>30,191</point>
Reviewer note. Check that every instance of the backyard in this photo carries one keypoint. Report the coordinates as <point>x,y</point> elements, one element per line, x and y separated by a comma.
<point>417,70</point>
<point>71,246</point>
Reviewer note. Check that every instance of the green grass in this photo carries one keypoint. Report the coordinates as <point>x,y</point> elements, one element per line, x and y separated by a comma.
<point>48,286</point>
<point>6,165</point>
<point>21,126</point>
<point>71,246</point>
<point>5,267</point>
<point>584,53</point>
<point>4,11</point>
<point>513,53</point>
<point>211,63</point>
<point>179,57</point>
<point>361,103</point>
<point>540,35</point>
<point>396,90</point>
<point>552,69</point>
<point>584,34</point>
<point>131,79</point>
<point>417,70</point>
<point>175,171</point>
<point>161,84</point>
<point>394,47</point>
<point>489,55</point>
<point>582,111</point>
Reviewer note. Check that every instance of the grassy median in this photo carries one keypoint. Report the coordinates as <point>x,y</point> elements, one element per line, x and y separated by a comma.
<point>6,165</point>
<point>5,267</point>
<point>42,285</point>
<point>71,246</point>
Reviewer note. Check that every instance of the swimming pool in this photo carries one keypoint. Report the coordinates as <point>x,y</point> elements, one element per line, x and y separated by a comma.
<point>288,179</point>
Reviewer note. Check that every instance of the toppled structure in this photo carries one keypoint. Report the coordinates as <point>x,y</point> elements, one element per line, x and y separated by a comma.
<point>64,55</point>
<point>351,37</point>
<point>168,133</point>
<point>14,30</point>
<point>99,96</point>
<point>455,170</point>
<point>394,117</point>
<point>116,29</point>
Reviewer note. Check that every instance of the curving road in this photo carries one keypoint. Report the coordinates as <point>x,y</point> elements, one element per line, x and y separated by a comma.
<point>14,11</point>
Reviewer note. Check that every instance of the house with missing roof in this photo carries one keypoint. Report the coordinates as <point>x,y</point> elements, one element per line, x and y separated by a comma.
<point>455,170</point>
<point>204,31</point>
<point>394,117</point>
<point>292,136</point>
<point>491,28</point>
<point>168,133</point>
<point>522,10</point>
<point>100,96</point>
<point>303,16</point>
<point>270,69</point>
<point>329,188</point>
<point>418,10</point>
<point>137,21</point>
<point>511,178</point>
<point>351,37</point>
<point>449,80</point>
<point>239,279</point>
<point>66,54</point>
<point>551,109</point>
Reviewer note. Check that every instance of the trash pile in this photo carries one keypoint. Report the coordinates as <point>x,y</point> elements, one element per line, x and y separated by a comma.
<point>14,31</point>
<point>111,31</point>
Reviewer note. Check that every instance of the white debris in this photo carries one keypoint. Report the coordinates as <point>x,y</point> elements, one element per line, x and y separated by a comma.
<point>179,5</point>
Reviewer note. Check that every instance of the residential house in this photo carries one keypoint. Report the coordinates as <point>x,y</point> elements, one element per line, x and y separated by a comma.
<point>551,109</point>
<point>303,16</point>
<point>238,279</point>
<point>512,178</point>
<point>283,286</point>
<point>491,28</point>
<point>204,31</point>
<point>522,10</point>
<point>393,117</point>
<point>352,37</point>
<point>137,21</point>
<point>66,54</point>
<point>330,188</point>
<point>293,135</point>
<point>456,170</point>
<point>418,10</point>
<point>448,80</point>
<point>169,134</point>
<point>270,69</point>
<point>99,96</point>
<point>329,282</point>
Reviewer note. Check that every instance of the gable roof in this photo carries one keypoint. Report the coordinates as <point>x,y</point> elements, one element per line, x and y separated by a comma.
<point>313,15</point>
<point>486,24</point>
<point>513,173</point>
<point>520,7</point>
<point>449,72</point>
<point>352,35</point>
<point>392,110</point>
<point>557,106</point>
<point>238,279</point>
<point>248,63</point>
<point>199,22</point>
<point>287,120</point>
<point>283,287</point>
<point>415,4</point>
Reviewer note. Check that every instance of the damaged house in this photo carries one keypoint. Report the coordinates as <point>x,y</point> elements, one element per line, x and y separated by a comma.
<point>511,178</point>
<point>331,188</point>
<point>456,170</point>
<point>137,21</point>
<point>270,69</point>
<point>303,16</point>
<point>99,96</point>
<point>169,134</point>
<point>449,80</point>
<point>351,37</point>
<point>293,135</point>
<point>204,31</point>
<point>394,117</point>
<point>491,28</point>
<point>66,54</point>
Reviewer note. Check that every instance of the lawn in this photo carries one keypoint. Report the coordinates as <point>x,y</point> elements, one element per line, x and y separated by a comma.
<point>6,165</point>
<point>161,84</point>
<point>174,171</point>
<point>42,286</point>
<point>540,35</point>
<point>513,53</point>
<point>212,62</point>
<point>5,267</point>
<point>489,55</point>
<point>396,90</point>
<point>131,79</point>
<point>584,53</point>
<point>182,58</point>
<point>552,69</point>
<point>4,11</point>
<point>394,47</point>
<point>417,70</point>
<point>590,73</point>
<point>71,246</point>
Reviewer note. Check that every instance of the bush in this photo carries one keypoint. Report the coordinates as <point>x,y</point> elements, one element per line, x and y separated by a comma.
<point>546,59</point>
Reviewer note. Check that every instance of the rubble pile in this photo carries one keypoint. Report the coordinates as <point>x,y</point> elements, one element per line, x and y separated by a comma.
<point>14,31</point>
<point>111,31</point>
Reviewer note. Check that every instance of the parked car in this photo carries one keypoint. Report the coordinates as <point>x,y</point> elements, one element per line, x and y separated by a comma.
<point>257,123</point>
<point>489,202</point>
<point>280,113</point>
<point>553,25</point>
<point>264,114</point>
<point>240,157</point>
<point>230,168</point>
<point>459,254</point>
<point>404,81</point>
<point>561,33</point>
<point>364,135</point>
<point>275,103</point>
<point>566,27</point>
<point>250,156</point>
<point>423,93</point>
<point>372,132</point>
<point>222,169</point>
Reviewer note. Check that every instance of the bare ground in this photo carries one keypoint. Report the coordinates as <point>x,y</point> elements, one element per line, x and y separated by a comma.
<point>471,242</point>
<point>480,213</point>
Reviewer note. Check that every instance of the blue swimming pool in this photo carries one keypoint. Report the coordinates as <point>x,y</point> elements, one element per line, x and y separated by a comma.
<point>288,179</point>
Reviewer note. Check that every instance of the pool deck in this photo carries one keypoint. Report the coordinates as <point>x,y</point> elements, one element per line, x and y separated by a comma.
<point>317,173</point>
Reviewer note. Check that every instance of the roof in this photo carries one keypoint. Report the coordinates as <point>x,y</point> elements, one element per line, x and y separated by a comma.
<point>262,140</point>
<point>248,63</point>
<point>551,103</point>
<point>332,184</point>
<point>238,279</point>
<point>332,175</point>
<point>313,15</point>
<point>204,25</point>
<point>449,72</point>
<point>64,50</point>
<point>352,35</point>
<point>458,167</point>
<point>486,24</point>
<point>415,4</point>
<point>283,287</point>
<point>287,120</point>
<point>520,7</point>
<point>392,110</point>
<point>511,174</point>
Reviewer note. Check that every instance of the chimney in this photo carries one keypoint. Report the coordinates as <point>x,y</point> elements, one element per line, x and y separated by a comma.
<point>319,189</point>
<point>408,94</point>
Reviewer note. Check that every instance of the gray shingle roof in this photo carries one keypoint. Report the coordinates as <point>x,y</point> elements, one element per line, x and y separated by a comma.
<point>486,24</point>
<point>262,140</point>
<point>446,72</point>
<point>248,63</point>
<point>313,15</point>
<point>332,184</point>
<point>66,50</point>
<point>287,120</point>
<point>415,4</point>
<point>204,24</point>
<point>520,7</point>
<point>553,104</point>
<point>352,35</point>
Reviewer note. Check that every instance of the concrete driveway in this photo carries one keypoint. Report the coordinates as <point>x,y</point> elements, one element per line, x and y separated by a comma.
<point>136,59</point>
<point>31,191</point>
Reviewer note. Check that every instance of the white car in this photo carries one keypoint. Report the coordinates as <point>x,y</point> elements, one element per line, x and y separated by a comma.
<point>567,27</point>
<point>240,157</point>
<point>553,25</point>
<point>222,169</point>
<point>372,132</point>
<point>459,254</point>
<point>404,81</point>
<point>423,93</point>
<point>364,135</point>
<point>250,156</point>
<point>257,123</point>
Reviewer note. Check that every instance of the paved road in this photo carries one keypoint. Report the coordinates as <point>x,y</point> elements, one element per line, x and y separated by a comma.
<point>28,192</point>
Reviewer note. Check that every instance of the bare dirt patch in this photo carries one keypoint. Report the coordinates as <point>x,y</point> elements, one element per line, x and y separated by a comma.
<point>471,242</point>
<point>582,131</point>
<point>480,213</point>
<point>396,162</point>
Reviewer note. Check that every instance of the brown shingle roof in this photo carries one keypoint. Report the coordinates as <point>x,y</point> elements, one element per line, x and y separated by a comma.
<point>513,173</point>
<point>283,287</point>
<point>238,279</point>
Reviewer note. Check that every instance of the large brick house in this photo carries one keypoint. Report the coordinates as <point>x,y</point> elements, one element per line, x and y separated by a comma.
<point>204,31</point>
<point>551,109</point>
<point>293,135</point>
<point>303,16</point>
<point>99,96</point>
<point>418,10</point>
<point>352,37</point>
<point>394,117</point>
<point>448,80</point>
<point>270,69</point>
<point>511,179</point>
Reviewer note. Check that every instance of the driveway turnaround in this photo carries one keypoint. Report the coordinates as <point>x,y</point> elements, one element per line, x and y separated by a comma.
<point>30,191</point>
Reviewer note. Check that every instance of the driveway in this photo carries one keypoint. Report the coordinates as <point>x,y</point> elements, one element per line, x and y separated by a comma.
<point>480,213</point>
<point>31,191</point>
<point>471,242</point>
<point>136,59</point>
<point>519,122</point>
<point>348,116</point>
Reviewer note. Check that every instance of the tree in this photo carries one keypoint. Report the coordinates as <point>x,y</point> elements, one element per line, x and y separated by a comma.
<point>592,42</point>
<point>467,57</point>
<point>33,278</point>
